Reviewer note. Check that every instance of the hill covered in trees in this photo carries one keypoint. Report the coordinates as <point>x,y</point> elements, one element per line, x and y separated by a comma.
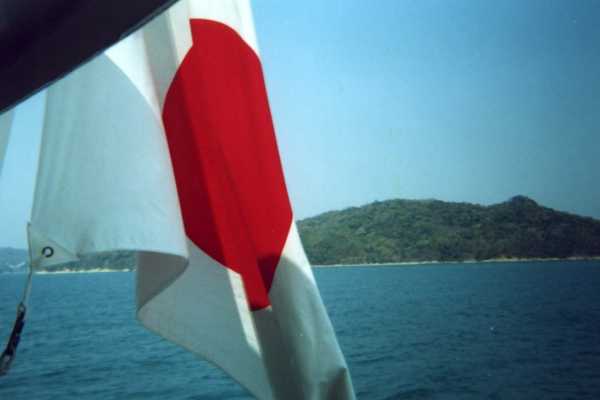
<point>412,230</point>
<point>427,230</point>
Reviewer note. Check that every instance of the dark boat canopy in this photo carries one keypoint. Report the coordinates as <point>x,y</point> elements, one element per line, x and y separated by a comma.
<point>42,40</point>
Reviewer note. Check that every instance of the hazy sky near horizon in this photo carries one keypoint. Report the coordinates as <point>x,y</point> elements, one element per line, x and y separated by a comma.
<point>472,101</point>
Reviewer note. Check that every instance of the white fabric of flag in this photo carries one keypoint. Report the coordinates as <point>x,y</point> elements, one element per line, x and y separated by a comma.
<point>164,145</point>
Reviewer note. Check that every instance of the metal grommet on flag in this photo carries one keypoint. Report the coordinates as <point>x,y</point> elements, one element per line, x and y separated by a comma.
<point>47,251</point>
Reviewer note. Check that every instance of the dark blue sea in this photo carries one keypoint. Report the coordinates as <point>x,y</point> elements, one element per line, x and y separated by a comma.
<point>456,331</point>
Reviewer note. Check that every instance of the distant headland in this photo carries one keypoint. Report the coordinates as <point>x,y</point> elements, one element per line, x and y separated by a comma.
<point>413,231</point>
<point>401,231</point>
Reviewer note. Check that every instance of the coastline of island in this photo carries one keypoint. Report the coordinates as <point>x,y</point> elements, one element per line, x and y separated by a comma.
<point>414,232</point>
<point>83,271</point>
<point>454,262</point>
<point>386,264</point>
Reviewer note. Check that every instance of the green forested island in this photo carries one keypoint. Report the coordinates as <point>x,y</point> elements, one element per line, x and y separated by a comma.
<point>427,230</point>
<point>413,231</point>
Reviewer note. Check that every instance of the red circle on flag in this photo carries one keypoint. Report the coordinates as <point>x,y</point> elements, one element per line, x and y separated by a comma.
<point>228,173</point>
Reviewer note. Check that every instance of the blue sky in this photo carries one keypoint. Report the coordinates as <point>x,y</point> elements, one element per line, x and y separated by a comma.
<point>471,101</point>
<point>463,101</point>
<point>18,174</point>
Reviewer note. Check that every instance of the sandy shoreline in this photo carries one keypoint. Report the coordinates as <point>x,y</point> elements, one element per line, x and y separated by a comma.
<point>392,264</point>
<point>82,271</point>
<point>434,262</point>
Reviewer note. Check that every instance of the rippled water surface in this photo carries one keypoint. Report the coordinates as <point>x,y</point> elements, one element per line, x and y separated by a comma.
<point>459,331</point>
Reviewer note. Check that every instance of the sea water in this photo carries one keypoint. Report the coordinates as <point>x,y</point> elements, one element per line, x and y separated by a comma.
<point>454,331</point>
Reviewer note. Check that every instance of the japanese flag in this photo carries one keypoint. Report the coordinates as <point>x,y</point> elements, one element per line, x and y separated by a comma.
<point>164,144</point>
